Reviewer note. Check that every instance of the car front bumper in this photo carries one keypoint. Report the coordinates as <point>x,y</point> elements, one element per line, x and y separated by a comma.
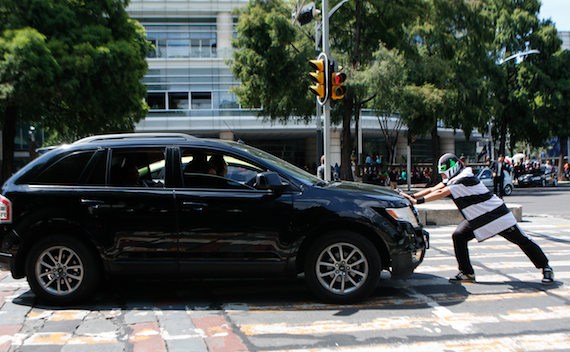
<point>404,264</point>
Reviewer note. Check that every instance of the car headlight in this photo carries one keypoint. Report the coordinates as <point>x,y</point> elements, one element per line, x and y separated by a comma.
<point>404,214</point>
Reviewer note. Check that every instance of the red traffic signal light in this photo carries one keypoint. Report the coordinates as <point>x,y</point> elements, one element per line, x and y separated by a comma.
<point>338,89</point>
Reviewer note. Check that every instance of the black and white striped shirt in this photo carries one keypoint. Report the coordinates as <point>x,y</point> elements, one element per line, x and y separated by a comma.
<point>487,214</point>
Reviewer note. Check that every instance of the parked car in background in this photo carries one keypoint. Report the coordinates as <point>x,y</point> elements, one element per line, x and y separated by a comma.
<point>537,177</point>
<point>174,205</point>
<point>486,176</point>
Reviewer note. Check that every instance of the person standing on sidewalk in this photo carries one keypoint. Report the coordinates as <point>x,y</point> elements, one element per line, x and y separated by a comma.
<point>486,215</point>
<point>498,168</point>
<point>393,175</point>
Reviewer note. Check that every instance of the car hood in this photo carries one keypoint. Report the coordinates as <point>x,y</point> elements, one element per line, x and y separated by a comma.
<point>363,190</point>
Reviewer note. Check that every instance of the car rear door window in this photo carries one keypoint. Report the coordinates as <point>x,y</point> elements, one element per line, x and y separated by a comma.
<point>138,167</point>
<point>65,171</point>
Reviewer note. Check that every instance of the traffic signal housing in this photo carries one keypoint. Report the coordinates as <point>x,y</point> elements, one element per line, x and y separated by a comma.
<point>320,78</point>
<point>338,89</point>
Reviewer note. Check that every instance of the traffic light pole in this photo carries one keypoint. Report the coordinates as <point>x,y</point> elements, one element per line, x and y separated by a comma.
<point>327,105</point>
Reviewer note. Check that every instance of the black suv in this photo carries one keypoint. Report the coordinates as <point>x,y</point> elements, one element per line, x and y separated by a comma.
<point>172,204</point>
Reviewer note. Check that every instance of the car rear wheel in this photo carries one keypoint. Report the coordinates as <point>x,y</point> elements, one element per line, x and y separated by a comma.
<point>62,270</point>
<point>342,267</point>
<point>508,190</point>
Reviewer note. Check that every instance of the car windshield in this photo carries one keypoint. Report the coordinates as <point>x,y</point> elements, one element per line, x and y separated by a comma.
<point>279,164</point>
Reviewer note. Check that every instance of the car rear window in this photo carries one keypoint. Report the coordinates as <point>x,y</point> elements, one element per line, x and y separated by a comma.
<point>65,171</point>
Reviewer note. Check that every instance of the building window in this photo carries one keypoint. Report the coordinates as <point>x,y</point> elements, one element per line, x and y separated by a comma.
<point>228,101</point>
<point>202,100</point>
<point>178,101</point>
<point>156,101</point>
<point>178,48</point>
<point>153,52</point>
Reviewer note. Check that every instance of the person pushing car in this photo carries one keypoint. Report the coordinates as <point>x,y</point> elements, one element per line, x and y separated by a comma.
<point>486,215</point>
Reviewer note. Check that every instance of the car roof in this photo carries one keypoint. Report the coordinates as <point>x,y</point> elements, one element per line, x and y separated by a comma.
<point>130,137</point>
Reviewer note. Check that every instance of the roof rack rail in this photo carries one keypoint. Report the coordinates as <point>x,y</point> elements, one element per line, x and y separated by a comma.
<point>131,136</point>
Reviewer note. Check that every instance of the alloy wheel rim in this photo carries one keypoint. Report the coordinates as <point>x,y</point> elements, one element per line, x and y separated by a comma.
<point>59,270</point>
<point>342,268</point>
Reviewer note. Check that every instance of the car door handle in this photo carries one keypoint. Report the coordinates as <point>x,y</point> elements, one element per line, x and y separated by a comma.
<point>93,203</point>
<point>195,205</point>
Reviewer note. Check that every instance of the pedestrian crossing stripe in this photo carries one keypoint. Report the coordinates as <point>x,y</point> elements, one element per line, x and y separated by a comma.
<point>404,322</point>
<point>529,342</point>
<point>418,300</point>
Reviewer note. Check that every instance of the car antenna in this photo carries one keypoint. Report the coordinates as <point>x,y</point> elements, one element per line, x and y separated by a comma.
<point>239,139</point>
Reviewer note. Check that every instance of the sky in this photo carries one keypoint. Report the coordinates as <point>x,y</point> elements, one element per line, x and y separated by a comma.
<point>558,11</point>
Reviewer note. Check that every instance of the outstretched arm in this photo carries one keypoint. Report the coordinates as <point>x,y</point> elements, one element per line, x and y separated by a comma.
<point>429,195</point>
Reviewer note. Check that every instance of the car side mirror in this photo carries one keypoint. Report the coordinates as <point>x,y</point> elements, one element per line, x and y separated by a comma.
<point>269,181</point>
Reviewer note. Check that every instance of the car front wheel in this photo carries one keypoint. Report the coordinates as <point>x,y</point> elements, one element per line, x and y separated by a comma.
<point>343,267</point>
<point>62,270</point>
<point>508,190</point>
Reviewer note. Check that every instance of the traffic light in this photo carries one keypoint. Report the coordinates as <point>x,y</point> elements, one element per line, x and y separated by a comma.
<point>320,78</point>
<point>338,89</point>
<point>306,14</point>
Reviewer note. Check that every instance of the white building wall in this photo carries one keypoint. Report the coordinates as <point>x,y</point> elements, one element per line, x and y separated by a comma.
<point>565,36</point>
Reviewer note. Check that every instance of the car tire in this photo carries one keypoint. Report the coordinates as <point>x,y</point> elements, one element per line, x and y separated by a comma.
<point>342,267</point>
<point>62,270</point>
<point>508,190</point>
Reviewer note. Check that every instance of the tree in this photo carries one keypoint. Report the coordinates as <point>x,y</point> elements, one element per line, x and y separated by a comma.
<point>447,72</point>
<point>272,62</point>
<point>552,99</point>
<point>385,79</point>
<point>517,29</point>
<point>357,31</point>
<point>74,67</point>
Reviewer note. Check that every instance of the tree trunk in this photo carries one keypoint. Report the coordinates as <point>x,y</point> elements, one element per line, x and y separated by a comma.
<point>346,146</point>
<point>8,138</point>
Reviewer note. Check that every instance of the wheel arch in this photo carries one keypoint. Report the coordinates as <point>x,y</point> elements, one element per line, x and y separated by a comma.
<point>356,227</point>
<point>52,226</point>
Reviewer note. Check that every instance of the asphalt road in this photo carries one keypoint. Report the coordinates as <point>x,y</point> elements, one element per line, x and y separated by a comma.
<point>508,309</point>
<point>541,201</point>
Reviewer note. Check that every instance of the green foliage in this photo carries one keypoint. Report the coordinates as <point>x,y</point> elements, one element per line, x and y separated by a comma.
<point>83,64</point>
<point>448,70</point>
<point>272,62</point>
<point>385,80</point>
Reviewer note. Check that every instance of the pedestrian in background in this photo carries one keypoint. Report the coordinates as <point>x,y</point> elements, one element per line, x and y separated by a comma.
<point>393,178</point>
<point>485,216</point>
<point>498,167</point>
<point>321,169</point>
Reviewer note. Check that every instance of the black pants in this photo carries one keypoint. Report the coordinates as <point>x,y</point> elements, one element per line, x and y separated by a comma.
<point>499,185</point>
<point>464,233</point>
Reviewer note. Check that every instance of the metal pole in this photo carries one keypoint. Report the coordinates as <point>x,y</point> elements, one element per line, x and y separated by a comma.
<point>491,145</point>
<point>409,167</point>
<point>319,122</point>
<point>360,141</point>
<point>327,106</point>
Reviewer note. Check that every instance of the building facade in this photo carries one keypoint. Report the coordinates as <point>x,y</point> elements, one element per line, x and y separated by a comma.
<point>188,85</point>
